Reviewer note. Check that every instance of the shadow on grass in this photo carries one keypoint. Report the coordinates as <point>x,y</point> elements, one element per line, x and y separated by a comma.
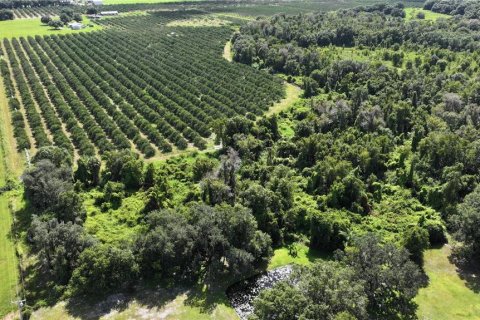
<point>313,255</point>
<point>467,269</point>
<point>93,308</point>
<point>206,297</point>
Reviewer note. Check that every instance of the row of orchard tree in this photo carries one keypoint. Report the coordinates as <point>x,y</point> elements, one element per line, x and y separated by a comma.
<point>154,104</point>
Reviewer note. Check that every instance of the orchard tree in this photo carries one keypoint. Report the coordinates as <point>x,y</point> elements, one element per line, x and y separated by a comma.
<point>6,15</point>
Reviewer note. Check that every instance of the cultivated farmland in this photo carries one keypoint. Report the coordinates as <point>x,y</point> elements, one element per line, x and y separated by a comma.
<point>89,94</point>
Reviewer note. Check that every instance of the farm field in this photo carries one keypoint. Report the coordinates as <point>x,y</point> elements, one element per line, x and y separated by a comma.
<point>33,26</point>
<point>181,111</point>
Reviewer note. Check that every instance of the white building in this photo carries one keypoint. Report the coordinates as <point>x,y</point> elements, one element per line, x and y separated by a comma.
<point>75,25</point>
<point>109,13</point>
<point>96,2</point>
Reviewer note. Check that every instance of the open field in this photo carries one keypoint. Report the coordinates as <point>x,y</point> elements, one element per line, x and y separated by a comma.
<point>447,295</point>
<point>429,15</point>
<point>33,27</point>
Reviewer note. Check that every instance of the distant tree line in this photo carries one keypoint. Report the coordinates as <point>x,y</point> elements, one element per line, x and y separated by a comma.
<point>468,9</point>
<point>15,4</point>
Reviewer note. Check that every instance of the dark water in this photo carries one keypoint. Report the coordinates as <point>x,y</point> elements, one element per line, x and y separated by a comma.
<point>242,294</point>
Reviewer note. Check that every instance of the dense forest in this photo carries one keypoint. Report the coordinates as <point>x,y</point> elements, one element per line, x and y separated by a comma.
<point>376,163</point>
<point>389,132</point>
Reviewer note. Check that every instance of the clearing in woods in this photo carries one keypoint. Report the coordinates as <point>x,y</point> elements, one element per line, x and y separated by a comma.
<point>447,295</point>
<point>411,13</point>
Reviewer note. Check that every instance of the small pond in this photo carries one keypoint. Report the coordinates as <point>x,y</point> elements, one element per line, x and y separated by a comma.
<point>242,294</point>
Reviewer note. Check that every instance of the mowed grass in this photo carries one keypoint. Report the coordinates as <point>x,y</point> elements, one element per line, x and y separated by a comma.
<point>8,259</point>
<point>447,295</point>
<point>33,27</point>
<point>411,13</point>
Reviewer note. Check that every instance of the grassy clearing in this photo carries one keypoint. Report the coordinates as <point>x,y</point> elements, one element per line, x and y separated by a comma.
<point>293,93</point>
<point>411,13</point>
<point>227,51</point>
<point>447,295</point>
<point>303,256</point>
<point>33,27</point>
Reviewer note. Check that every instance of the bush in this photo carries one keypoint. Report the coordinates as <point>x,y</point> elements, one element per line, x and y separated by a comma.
<point>416,240</point>
<point>46,19</point>
<point>56,24</point>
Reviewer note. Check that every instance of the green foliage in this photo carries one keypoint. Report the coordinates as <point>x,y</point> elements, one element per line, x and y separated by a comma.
<point>56,24</point>
<point>466,224</point>
<point>56,155</point>
<point>124,166</point>
<point>391,279</point>
<point>59,245</point>
<point>416,241</point>
<point>202,167</point>
<point>6,15</point>
<point>113,193</point>
<point>349,193</point>
<point>88,171</point>
<point>205,242</point>
<point>325,290</point>
<point>103,268</point>
<point>329,231</point>
<point>310,87</point>
<point>46,19</point>
<point>44,183</point>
